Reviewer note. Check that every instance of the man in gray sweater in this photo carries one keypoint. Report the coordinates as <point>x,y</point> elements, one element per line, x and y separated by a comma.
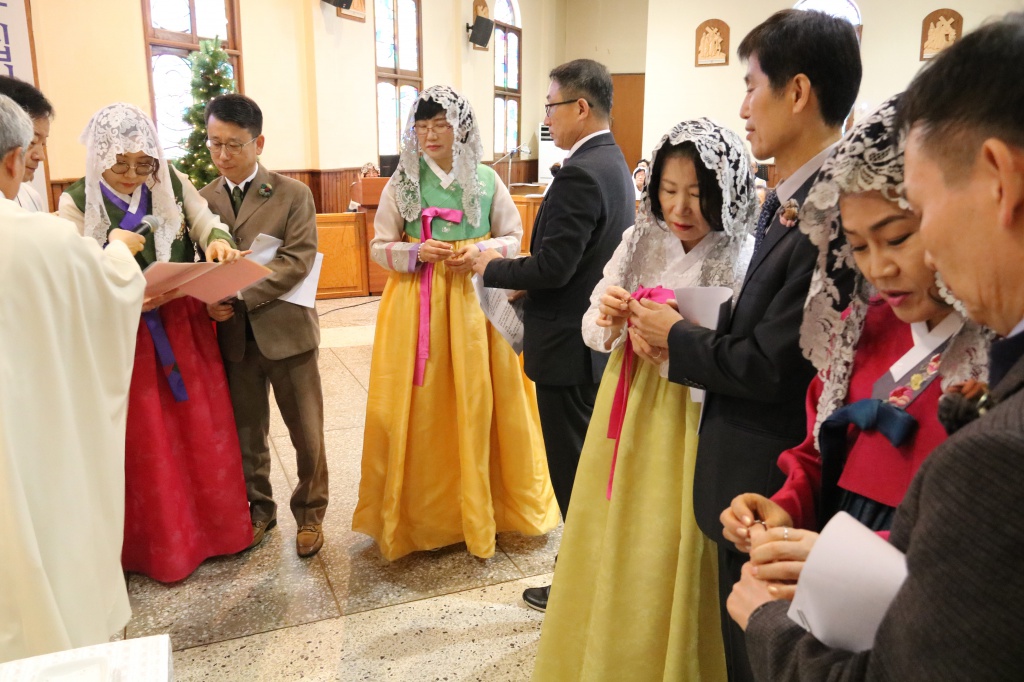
<point>958,615</point>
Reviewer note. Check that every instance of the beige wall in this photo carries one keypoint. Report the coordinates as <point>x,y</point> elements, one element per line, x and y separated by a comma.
<point>85,61</point>
<point>311,72</point>
<point>890,50</point>
<point>609,31</point>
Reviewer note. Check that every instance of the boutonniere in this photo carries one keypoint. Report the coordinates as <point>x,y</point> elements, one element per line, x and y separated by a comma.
<point>266,189</point>
<point>790,211</point>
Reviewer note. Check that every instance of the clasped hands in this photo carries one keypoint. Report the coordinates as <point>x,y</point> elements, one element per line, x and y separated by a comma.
<point>762,528</point>
<point>649,322</point>
<point>457,260</point>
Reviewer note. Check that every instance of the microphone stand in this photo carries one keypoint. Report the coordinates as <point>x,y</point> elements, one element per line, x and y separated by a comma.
<point>508,156</point>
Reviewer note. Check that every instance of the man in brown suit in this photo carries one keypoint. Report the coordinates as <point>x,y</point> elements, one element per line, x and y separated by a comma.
<point>266,341</point>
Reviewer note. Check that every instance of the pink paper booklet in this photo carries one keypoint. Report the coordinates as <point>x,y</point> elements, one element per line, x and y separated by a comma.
<point>209,282</point>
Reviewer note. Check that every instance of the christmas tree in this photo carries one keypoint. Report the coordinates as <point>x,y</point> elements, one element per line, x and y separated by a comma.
<point>211,77</point>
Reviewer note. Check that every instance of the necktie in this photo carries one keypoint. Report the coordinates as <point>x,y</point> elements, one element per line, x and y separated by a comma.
<point>236,198</point>
<point>768,210</point>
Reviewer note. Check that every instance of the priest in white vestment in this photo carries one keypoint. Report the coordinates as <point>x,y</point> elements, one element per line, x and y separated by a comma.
<point>69,311</point>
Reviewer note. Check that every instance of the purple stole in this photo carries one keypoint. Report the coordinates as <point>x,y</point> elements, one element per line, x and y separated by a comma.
<point>164,352</point>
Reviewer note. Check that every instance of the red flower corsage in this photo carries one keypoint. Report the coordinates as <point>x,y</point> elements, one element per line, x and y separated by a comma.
<point>266,189</point>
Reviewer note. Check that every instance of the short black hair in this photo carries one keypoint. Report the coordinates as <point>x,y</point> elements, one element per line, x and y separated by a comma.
<point>428,109</point>
<point>707,183</point>
<point>822,47</point>
<point>586,79</point>
<point>969,93</point>
<point>237,109</point>
<point>26,96</point>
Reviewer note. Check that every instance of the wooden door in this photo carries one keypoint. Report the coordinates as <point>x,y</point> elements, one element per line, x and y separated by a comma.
<point>628,115</point>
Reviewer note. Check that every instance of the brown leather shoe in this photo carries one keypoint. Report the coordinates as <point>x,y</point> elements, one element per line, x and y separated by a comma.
<point>309,540</point>
<point>259,530</point>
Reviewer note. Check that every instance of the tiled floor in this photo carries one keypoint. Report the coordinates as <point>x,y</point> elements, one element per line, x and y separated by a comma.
<point>347,614</point>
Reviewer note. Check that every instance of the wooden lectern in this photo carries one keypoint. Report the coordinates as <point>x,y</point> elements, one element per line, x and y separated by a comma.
<point>366,192</point>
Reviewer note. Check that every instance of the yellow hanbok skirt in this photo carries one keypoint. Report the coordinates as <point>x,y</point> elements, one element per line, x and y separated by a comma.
<point>461,457</point>
<point>635,592</point>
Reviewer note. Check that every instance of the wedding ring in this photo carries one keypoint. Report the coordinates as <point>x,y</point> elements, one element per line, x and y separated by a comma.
<point>785,532</point>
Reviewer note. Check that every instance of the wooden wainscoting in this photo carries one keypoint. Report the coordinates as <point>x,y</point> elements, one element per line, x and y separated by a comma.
<point>342,239</point>
<point>523,170</point>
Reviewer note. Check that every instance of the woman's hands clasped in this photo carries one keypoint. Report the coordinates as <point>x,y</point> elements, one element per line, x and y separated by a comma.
<point>463,259</point>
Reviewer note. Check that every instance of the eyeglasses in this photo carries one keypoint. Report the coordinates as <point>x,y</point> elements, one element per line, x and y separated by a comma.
<point>439,127</point>
<point>232,148</point>
<point>547,107</point>
<point>141,169</point>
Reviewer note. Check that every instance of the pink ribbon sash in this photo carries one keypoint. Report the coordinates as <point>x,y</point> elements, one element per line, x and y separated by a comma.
<point>426,275</point>
<point>618,413</point>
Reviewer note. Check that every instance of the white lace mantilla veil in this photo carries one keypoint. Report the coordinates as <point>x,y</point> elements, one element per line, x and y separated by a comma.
<point>467,152</point>
<point>722,151</point>
<point>870,158</point>
<point>122,128</point>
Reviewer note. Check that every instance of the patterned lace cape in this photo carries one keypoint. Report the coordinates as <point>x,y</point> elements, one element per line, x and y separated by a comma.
<point>870,158</point>
<point>722,151</point>
<point>467,152</point>
<point>122,128</point>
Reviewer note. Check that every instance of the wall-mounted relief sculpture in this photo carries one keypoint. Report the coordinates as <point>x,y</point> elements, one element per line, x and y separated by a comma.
<point>939,30</point>
<point>712,43</point>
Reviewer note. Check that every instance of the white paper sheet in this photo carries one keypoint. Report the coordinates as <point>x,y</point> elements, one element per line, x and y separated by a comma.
<point>264,248</point>
<point>702,306</point>
<point>304,293</point>
<point>850,578</point>
<point>506,317</point>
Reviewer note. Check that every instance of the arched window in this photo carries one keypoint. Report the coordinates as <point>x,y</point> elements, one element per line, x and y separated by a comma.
<point>508,87</point>
<point>399,67</point>
<point>844,9</point>
<point>173,30</point>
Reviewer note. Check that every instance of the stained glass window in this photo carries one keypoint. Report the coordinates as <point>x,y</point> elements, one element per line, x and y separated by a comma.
<point>844,9</point>
<point>506,12</point>
<point>174,30</point>
<point>408,36</point>
<point>499,126</point>
<point>171,76</point>
<point>171,15</point>
<point>384,11</point>
<point>399,77</point>
<point>508,38</point>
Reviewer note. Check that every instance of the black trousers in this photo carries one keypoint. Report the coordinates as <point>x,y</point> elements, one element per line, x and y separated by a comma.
<point>730,564</point>
<point>564,418</point>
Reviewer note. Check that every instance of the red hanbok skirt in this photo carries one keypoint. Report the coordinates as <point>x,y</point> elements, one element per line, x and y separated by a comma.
<point>185,490</point>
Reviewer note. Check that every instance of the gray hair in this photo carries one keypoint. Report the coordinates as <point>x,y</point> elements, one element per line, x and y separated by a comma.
<point>15,126</point>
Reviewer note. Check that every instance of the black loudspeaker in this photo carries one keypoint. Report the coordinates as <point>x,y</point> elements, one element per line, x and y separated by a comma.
<point>480,31</point>
<point>342,4</point>
<point>388,165</point>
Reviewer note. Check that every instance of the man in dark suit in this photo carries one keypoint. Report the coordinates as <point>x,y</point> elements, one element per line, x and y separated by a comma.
<point>803,74</point>
<point>585,211</point>
<point>266,341</point>
<point>957,615</point>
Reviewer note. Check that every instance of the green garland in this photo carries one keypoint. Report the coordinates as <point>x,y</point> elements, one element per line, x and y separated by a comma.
<point>211,77</point>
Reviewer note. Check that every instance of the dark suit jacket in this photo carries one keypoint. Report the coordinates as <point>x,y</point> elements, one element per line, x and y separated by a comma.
<point>755,374</point>
<point>958,615</point>
<point>282,329</point>
<point>589,205</point>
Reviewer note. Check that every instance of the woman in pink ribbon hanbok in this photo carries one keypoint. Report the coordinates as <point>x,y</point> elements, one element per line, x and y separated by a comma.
<point>452,450</point>
<point>635,589</point>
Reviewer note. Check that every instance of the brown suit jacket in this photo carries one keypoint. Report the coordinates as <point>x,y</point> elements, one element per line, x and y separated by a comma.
<point>281,329</point>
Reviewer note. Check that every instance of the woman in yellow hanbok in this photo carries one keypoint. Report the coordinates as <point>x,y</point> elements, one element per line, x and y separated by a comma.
<point>635,593</point>
<point>452,449</point>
